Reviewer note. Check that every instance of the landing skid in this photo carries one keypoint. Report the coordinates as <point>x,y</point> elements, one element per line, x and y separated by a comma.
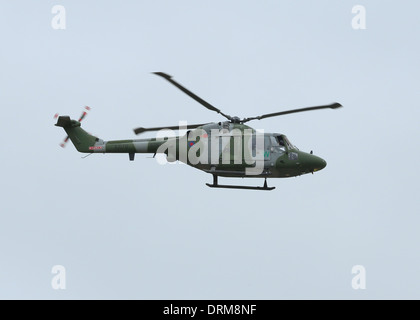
<point>216,185</point>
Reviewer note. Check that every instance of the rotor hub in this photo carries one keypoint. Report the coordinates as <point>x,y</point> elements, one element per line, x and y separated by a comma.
<point>236,120</point>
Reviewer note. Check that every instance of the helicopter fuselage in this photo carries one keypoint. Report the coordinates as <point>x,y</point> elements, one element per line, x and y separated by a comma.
<point>219,149</point>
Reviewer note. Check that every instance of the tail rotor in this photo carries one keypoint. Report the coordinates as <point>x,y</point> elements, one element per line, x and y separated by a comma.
<point>83,115</point>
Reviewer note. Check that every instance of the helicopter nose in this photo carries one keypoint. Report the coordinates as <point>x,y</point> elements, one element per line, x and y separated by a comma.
<point>318,163</point>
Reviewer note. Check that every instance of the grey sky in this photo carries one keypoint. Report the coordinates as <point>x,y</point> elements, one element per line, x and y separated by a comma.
<point>140,230</point>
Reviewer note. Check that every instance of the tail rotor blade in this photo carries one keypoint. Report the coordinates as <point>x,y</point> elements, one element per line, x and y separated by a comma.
<point>84,114</point>
<point>63,144</point>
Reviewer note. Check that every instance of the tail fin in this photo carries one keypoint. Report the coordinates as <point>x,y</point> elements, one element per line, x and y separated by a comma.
<point>80,138</point>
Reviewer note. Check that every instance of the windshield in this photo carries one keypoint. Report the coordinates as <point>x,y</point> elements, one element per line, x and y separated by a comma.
<point>287,142</point>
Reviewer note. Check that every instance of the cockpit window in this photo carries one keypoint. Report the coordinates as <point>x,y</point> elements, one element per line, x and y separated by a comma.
<point>287,143</point>
<point>280,140</point>
<point>277,144</point>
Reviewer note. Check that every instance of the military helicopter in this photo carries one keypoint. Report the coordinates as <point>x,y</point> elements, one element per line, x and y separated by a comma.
<point>215,145</point>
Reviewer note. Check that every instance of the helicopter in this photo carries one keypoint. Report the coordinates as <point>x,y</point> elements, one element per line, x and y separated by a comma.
<point>228,148</point>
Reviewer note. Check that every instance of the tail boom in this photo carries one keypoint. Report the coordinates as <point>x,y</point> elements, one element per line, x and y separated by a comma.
<point>86,143</point>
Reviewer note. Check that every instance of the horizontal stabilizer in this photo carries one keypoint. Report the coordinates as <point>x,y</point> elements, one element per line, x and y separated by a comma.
<point>63,121</point>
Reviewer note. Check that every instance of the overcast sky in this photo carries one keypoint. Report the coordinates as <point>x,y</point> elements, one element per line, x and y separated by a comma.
<point>140,230</point>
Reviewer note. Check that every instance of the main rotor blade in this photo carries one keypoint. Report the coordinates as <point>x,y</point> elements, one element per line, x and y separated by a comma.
<point>189,126</point>
<point>334,105</point>
<point>192,95</point>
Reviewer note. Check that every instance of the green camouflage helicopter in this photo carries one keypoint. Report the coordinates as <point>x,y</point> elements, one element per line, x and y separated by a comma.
<point>225,149</point>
